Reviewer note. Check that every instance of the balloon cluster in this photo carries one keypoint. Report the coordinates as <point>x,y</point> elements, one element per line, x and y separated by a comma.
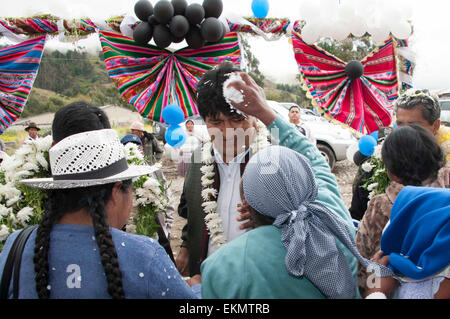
<point>356,17</point>
<point>174,21</point>
<point>367,143</point>
<point>175,135</point>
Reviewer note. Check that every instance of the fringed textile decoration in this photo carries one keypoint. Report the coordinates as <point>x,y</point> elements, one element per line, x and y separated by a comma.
<point>151,78</point>
<point>19,65</point>
<point>364,103</point>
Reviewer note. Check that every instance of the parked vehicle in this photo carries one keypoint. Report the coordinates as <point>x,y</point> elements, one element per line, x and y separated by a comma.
<point>303,111</point>
<point>332,140</point>
<point>445,111</point>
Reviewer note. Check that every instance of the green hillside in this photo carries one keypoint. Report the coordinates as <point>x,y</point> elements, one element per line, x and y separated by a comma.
<point>67,77</point>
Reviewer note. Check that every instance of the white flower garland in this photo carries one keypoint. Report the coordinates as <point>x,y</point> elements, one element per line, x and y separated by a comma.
<point>213,220</point>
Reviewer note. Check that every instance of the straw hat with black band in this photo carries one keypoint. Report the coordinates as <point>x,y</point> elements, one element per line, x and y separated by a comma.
<point>88,159</point>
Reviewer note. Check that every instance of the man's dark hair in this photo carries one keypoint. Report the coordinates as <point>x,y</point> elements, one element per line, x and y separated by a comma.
<point>76,118</point>
<point>412,154</point>
<point>210,100</point>
<point>296,106</point>
<point>429,104</point>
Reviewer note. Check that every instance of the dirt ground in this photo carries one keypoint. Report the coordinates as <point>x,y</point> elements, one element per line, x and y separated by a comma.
<point>344,171</point>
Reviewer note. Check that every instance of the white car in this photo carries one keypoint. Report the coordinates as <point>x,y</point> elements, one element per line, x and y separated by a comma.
<point>445,111</point>
<point>332,140</point>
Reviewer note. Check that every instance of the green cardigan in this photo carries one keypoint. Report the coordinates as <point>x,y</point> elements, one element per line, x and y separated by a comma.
<point>252,266</point>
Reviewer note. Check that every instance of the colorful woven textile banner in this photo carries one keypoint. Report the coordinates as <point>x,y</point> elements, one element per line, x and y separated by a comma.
<point>363,104</point>
<point>18,69</point>
<point>151,78</point>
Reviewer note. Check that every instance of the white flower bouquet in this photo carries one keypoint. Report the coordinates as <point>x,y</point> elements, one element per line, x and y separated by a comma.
<point>378,181</point>
<point>20,205</point>
<point>150,197</point>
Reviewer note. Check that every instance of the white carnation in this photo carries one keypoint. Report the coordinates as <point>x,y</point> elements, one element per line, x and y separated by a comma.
<point>372,186</point>
<point>367,167</point>
<point>23,216</point>
<point>41,160</point>
<point>4,233</point>
<point>4,211</point>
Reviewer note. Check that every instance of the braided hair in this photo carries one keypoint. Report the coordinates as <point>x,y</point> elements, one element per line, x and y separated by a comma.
<point>72,119</point>
<point>61,202</point>
<point>412,154</point>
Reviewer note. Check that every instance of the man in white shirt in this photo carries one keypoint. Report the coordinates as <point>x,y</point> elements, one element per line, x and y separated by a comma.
<point>232,133</point>
<point>295,119</point>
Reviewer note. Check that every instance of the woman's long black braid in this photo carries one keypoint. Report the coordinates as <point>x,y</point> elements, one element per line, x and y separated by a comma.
<point>94,198</point>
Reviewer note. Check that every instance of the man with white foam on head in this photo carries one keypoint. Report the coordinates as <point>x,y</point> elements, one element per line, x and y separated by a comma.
<point>210,199</point>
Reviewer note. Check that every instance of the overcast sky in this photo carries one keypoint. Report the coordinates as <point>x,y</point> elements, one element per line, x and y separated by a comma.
<point>430,42</point>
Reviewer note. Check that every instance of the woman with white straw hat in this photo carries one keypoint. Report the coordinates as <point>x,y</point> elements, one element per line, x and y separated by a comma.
<point>78,251</point>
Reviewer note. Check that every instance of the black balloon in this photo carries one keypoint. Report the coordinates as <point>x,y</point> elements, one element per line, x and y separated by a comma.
<point>224,31</point>
<point>162,36</point>
<point>195,13</point>
<point>212,29</point>
<point>179,26</point>
<point>194,38</point>
<point>152,20</point>
<point>213,8</point>
<point>354,69</point>
<point>176,39</point>
<point>143,9</point>
<point>142,34</point>
<point>163,11</point>
<point>179,6</point>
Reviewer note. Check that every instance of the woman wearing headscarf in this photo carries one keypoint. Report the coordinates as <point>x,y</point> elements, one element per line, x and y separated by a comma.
<point>78,250</point>
<point>293,252</point>
<point>417,242</point>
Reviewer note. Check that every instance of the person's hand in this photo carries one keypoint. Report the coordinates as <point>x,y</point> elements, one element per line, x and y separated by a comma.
<point>254,103</point>
<point>384,284</point>
<point>182,261</point>
<point>244,214</point>
<point>197,279</point>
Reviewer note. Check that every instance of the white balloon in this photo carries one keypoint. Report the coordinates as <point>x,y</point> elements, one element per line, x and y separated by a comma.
<point>401,30</point>
<point>308,9</point>
<point>351,150</point>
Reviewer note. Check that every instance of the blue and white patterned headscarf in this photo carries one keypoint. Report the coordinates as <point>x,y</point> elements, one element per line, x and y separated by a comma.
<point>280,183</point>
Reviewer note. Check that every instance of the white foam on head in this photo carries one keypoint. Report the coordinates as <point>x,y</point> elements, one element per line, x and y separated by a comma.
<point>231,94</point>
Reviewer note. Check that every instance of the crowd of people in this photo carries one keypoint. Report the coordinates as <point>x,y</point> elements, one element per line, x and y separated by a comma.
<point>262,221</point>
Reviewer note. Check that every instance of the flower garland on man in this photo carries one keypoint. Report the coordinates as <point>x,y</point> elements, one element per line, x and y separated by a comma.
<point>211,200</point>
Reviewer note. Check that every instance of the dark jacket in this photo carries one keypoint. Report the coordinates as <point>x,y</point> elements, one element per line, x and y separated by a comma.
<point>152,151</point>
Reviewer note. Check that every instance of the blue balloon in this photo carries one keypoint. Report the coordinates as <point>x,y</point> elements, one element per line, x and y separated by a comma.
<point>374,135</point>
<point>260,8</point>
<point>175,136</point>
<point>173,114</point>
<point>367,145</point>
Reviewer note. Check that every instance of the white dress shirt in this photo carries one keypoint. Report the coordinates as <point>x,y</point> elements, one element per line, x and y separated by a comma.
<point>229,196</point>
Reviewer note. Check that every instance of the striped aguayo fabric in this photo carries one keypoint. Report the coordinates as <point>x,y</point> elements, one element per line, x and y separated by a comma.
<point>362,103</point>
<point>151,78</point>
<point>19,65</point>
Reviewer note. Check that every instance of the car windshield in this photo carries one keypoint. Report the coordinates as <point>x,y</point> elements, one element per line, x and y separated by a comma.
<point>445,105</point>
